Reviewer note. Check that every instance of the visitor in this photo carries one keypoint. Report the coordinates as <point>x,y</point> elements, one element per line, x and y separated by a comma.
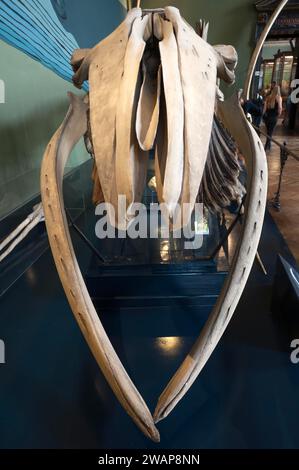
<point>255,108</point>
<point>272,111</point>
<point>272,86</point>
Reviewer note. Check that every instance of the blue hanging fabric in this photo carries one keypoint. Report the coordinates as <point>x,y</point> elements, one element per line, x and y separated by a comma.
<point>33,27</point>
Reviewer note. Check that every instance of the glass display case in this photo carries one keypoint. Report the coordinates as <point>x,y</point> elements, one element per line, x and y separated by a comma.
<point>281,69</point>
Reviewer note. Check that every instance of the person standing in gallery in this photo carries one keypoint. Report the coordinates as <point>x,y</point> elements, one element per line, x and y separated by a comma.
<point>272,111</point>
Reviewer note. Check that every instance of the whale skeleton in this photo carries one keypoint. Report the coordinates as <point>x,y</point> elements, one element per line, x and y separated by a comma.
<point>122,119</point>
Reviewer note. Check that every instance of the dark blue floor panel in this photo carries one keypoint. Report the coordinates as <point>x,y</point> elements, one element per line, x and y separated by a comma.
<point>52,394</point>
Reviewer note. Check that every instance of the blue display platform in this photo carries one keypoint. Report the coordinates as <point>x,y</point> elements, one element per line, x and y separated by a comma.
<point>155,272</point>
<point>53,395</point>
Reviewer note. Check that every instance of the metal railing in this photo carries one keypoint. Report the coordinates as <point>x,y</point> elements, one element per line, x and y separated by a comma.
<point>285,152</point>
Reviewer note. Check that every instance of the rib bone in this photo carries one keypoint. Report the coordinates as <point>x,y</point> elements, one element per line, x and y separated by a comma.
<point>21,232</point>
<point>259,46</point>
<point>55,158</point>
<point>37,213</point>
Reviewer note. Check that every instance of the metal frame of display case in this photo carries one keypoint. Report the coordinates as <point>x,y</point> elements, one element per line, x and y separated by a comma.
<point>278,69</point>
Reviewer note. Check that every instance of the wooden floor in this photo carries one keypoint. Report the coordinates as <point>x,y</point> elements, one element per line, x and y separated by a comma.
<point>288,218</point>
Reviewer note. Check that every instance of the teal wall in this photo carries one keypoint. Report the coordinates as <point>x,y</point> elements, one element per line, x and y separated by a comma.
<point>35,105</point>
<point>269,52</point>
<point>231,22</point>
<point>89,21</point>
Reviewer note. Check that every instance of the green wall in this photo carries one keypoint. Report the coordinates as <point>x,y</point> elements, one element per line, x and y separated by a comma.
<point>231,22</point>
<point>35,104</point>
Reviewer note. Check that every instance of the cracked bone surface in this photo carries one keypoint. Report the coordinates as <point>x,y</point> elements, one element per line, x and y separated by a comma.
<point>154,84</point>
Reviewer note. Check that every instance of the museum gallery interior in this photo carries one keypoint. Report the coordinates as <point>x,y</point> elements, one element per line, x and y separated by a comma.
<point>149,224</point>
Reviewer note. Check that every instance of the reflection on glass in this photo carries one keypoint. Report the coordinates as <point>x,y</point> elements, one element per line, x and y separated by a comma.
<point>287,74</point>
<point>31,277</point>
<point>165,251</point>
<point>279,69</point>
<point>100,390</point>
<point>169,344</point>
<point>268,72</point>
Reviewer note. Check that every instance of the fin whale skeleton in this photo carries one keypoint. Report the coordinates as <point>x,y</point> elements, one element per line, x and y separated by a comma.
<point>105,107</point>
